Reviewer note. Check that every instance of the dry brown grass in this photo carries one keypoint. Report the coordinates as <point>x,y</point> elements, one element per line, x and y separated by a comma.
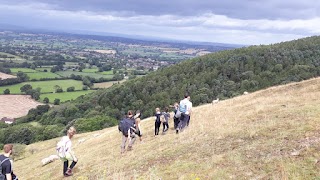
<point>6,76</point>
<point>14,106</point>
<point>269,134</point>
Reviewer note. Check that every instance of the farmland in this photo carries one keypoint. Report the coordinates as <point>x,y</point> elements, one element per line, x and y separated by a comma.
<point>93,75</point>
<point>39,75</point>
<point>64,96</point>
<point>46,86</point>
<point>14,106</point>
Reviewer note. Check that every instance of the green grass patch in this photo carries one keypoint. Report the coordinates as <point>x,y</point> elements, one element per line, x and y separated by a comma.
<point>93,75</point>
<point>43,68</point>
<point>92,70</point>
<point>107,72</point>
<point>65,96</point>
<point>40,75</point>
<point>25,70</point>
<point>46,86</point>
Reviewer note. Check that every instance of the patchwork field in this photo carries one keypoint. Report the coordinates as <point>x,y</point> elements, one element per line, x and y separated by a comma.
<point>39,75</point>
<point>94,75</point>
<point>14,106</point>
<point>64,96</point>
<point>46,86</point>
<point>25,70</point>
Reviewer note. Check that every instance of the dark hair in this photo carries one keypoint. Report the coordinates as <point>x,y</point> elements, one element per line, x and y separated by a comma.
<point>186,95</point>
<point>130,113</point>
<point>166,109</point>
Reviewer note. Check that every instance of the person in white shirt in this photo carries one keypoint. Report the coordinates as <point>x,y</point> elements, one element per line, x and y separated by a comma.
<point>70,156</point>
<point>189,110</point>
<point>185,107</point>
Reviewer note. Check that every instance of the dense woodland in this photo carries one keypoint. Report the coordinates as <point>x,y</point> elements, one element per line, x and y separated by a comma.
<point>222,74</point>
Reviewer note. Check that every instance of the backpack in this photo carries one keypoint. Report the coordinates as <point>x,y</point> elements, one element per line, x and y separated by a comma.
<point>177,114</point>
<point>61,148</point>
<point>2,176</point>
<point>124,125</point>
<point>182,108</point>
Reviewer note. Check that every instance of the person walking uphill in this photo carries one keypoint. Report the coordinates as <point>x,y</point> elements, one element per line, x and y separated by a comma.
<point>157,122</point>
<point>5,163</point>
<point>166,115</point>
<point>137,118</point>
<point>64,148</point>
<point>126,126</point>
<point>185,109</point>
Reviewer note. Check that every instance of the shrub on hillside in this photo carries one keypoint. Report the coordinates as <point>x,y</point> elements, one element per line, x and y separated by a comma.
<point>94,123</point>
<point>70,89</point>
<point>56,101</point>
<point>6,91</point>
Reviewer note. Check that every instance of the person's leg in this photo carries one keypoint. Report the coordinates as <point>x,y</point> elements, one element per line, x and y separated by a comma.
<point>164,126</point>
<point>73,164</point>
<point>133,139</point>
<point>167,123</point>
<point>158,124</point>
<point>188,121</point>
<point>123,143</point>
<point>184,121</point>
<point>179,127</point>
<point>155,128</point>
<point>65,166</point>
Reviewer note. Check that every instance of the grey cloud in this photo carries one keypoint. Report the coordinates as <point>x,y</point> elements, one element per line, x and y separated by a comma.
<point>244,9</point>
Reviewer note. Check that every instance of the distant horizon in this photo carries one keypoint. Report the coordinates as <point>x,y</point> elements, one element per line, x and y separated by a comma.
<point>107,34</point>
<point>244,22</point>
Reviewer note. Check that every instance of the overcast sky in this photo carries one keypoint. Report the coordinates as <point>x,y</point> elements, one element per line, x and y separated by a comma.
<point>223,21</point>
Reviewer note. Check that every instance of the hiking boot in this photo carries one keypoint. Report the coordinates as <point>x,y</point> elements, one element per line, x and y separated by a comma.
<point>177,131</point>
<point>68,172</point>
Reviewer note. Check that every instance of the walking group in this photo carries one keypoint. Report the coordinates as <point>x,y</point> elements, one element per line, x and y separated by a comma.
<point>129,126</point>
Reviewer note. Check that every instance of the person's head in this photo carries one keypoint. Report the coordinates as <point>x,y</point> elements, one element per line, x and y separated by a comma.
<point>176,104</point>
<point>186,95</point>
<point>130,113</point>
<point>166,109</point>
<point>8,149</point>
<point>157,109</point>
<point>71,131</point>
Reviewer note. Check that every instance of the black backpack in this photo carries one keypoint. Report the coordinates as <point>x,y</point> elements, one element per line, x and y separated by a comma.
<point>125,124</point>
<point>2,176</point>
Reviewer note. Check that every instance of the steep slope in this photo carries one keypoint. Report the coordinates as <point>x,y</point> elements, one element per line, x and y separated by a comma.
<point>268,134</point>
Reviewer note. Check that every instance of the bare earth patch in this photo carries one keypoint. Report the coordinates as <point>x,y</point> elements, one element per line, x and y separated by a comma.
<point>6,76</point>
<point>14,106</point>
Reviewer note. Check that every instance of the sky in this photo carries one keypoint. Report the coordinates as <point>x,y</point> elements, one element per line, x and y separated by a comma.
<point>247,22</point>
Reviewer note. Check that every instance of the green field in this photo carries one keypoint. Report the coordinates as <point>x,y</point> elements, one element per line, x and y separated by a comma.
<point>107,72</point>
<point>43,68</point>
<point>10,55</point>
<point>46,86</point>
<point>65,96</point>
<point>94,75</point>
<point>92,70</point>
<point>40,75</point>
<point>25,70</point>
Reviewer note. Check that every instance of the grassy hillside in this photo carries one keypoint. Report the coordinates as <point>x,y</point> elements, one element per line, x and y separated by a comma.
<point>268,134</point>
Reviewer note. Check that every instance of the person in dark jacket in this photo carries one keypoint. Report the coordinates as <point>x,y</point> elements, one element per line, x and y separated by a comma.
<point>5,162</point>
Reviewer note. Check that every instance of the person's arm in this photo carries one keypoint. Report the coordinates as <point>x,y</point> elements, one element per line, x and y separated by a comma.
<point>8,176</point>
